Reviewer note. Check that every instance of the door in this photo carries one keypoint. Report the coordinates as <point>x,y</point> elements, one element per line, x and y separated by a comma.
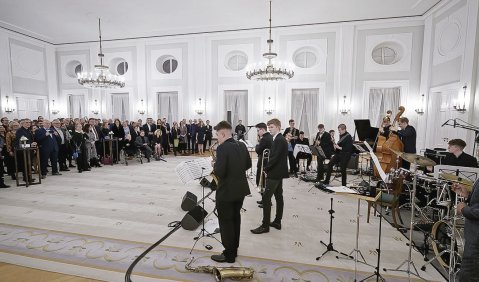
<point>120,107</point>
<point>76,106</point>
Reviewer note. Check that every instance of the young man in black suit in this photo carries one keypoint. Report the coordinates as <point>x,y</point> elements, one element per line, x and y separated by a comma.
<point>265,142</point>
<point>232,162</point>
<point>457,156</point>
<point>344,150</point>
<point>208,135</point>
<point>275,171</point>
<point>407,134</point>
<point>325,142</point>
<point>294,132</point>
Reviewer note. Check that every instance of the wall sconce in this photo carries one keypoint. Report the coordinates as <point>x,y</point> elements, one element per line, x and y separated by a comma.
<point>344,108</point>
<point>8,109</point>
<point>460,104</point>
<point>200,107</point>
<point>420,110</point>
<point>141,110</point>
<point>54,110</point>
<point>95,110</point>
<point>269,107</point>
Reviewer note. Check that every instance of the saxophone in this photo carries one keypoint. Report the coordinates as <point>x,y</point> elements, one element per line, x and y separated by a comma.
<point>213,156</point>
<point>220,273</point>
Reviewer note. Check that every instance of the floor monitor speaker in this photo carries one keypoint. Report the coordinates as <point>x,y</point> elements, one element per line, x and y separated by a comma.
<point>193,218</point>
<point>189,201</point>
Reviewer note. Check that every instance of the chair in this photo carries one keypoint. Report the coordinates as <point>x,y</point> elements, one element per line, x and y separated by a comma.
<point>133,151</point>
<point>390,199</point>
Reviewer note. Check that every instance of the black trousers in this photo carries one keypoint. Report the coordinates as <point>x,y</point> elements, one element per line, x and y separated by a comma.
<point>229,218</point>
<point>273,187</point>
<point>44,156</point>
<point>320,167</point>
<point>302,155</point>
<point>342,159</point>
<point>193,147</point>
<point>62,155</point>
<point>292,162</point>
<point>469,271</point>
<point>207,140</point>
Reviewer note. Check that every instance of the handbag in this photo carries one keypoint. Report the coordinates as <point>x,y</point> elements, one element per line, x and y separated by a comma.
<point>107,160</point>
<point>176,142</point>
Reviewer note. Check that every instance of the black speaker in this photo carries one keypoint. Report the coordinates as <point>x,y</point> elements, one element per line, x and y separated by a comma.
<point>189,201</point>
<point>353,162</point>
<point>208,183</point>
<point>193,218</point>
<point>228,116</point>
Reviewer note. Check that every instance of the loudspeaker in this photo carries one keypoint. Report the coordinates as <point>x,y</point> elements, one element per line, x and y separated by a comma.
<point>193,218</point>
<point>228,116</point>
<point>189,201</point>
<point>353,162</point>
<point>207,183</point>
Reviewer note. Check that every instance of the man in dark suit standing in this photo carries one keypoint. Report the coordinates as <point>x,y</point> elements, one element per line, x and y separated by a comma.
<point>294,132</point>
<point>407,134</point>
<point>188,135</point>
<point>24,131</point>
<point>208,135</point>
<point>193,132</point>
<point>275,171</point>
<point>265,142</point>
<point>232,162</point>
<point>48,148</point>
<point>324,141</point>
<point>61,138</point>
<point>344,150</point>
<point>168,133</point>
<point>470,210</point>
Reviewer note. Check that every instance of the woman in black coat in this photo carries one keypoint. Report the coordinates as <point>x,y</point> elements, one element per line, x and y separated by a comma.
<point>78,142</point>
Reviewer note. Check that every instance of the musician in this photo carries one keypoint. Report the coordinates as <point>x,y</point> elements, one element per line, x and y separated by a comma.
<point>407,134</point>
<point>302,155</point>
<point>293,170</point>
<point>275,171</point>
<point>232,161</point>
<point>294,132</point>
<point>457,156</point>
<point>265,142</point>
<point>240,130</point>
<point>384,130</point>
<point>332,132</point>
<point>470,210</point>
<point>325,141</point>
<point>344,149</point>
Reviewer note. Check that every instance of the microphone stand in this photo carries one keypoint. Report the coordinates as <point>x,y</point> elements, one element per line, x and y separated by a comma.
<point>330,247</point>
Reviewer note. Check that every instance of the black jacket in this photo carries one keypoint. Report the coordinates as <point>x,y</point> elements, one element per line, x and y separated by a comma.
<point>346,144</point>
<point>326,143</point>
<point>408,137</point>
<point>232,161</point>
<point>146,130</point>
<point>294,132</point>
<point>463,160</point>
<point>266,142</point>
<point>277,167</point>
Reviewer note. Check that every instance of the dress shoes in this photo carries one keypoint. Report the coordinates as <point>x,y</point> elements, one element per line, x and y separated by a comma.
<point>276,225</point>
<point>3,185</point>
<point>222,258</point>
<point>64,169</point>
<point>44,176</point>
<point>56,173</point>
<point>259,202</point>
<point>70,165</point>
<point>260,230</point>
<point>260,206</point>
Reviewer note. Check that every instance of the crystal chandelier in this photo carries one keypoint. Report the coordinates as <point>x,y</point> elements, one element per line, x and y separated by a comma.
<point>267,71</point>
<point>101,76</point>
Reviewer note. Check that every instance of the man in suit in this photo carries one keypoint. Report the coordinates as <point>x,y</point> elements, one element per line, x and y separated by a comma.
<point>95,128</point>
<point>275,171</point>
<point>302,155</point>
<point>407,134</point>
<point>457,156</point>
<point>294,132</point>
<point>193,132</point>
<point>149,128</point>
<point>208,135</point>
<point>168,133</point>
<point>344,149</point>
<point>470,210</point>
<point>232,162</point>
<point>143,144</point>
<point>61,138</point>
<point>188,135</point>
<point>48,148</point>
<point>325,142</point>
<point>265,142</point>
<point>24,131</point>
<point>240,130</point>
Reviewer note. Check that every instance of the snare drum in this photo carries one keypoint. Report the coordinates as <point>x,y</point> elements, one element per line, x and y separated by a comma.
<point>442,237</point>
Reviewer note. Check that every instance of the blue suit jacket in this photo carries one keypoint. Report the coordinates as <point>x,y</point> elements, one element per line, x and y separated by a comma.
<point>46,143</point>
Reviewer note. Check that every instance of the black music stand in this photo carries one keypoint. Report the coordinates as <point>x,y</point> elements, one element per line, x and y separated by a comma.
<point>365,131</point>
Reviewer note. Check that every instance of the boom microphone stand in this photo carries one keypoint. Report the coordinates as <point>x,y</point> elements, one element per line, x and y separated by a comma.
<point>330,247</point>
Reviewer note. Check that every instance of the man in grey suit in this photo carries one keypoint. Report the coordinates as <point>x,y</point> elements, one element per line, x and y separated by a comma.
<point>470,209</point>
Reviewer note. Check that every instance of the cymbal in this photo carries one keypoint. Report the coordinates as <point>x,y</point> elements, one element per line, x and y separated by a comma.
<point>397,153</point>
<point>419,160</point>
<point>454,178</point>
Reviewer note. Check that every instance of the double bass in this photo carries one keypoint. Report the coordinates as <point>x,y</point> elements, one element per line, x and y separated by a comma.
<point>386,157</point>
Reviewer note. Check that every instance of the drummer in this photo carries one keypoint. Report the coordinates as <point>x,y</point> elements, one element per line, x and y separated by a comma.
<point>457,156</point>
<point>470,210</point>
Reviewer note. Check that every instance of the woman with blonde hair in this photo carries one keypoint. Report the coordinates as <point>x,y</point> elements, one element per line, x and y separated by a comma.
<point>157,139</point>
<point>200,137</point>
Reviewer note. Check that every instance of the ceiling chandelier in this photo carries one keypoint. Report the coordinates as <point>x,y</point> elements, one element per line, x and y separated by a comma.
<point>267,71</point>
<point>100,77</point>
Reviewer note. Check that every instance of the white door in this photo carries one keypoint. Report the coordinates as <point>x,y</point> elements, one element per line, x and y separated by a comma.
<point>76,106</point>
<point>168,106</point>
<point>120,107</point>
<point>30,108</point>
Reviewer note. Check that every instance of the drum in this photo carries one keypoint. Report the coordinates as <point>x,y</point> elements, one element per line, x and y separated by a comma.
<point>426,190</point>
<point>441,240</point>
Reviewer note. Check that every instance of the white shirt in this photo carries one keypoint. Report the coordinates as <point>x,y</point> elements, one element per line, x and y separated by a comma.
<point>275,136</point>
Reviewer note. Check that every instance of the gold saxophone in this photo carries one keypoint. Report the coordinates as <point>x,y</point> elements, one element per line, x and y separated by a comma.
<point>262,180</point>
<point>213,156</point>
<point>220,273</point>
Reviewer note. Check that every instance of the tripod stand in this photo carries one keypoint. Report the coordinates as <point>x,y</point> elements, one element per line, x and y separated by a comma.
<point>203,232</point>
<point>330,247</point>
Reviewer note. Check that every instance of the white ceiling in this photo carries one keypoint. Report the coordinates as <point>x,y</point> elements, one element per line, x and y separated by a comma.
<point>66,21</point>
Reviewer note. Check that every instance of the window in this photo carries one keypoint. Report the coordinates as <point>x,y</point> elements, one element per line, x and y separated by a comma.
<point>166,64</point>
<point>73,68</point>
<point>122,68</point>
<point>384,54</point>
<point>118,66</point>
<point>236,60</point>
<point>305,58</point>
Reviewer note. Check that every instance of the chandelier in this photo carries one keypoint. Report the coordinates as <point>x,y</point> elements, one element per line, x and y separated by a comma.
<point>101,76</point>
<point>267,71</point>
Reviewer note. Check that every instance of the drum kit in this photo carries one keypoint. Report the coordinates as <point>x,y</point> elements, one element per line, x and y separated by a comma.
<point>436,204</point>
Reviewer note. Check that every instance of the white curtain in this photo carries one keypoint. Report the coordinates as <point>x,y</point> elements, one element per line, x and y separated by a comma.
<point>236,101</point>
<point>120,106</point>
<point>380,101</point>
<point>304,109</point>
<point>168,106</point>
<point>76,105</point>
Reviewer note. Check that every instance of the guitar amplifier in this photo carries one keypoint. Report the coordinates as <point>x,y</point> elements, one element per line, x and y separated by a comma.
<point>353,162</point>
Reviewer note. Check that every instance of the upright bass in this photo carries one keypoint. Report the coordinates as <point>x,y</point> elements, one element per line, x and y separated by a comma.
<point>387,158</point>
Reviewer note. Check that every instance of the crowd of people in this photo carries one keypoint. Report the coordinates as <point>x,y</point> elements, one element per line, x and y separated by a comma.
<point>67,143</point>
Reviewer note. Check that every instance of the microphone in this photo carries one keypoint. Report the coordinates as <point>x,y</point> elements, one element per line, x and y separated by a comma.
<point>455,122</point>
<point>446,122</point>
<point>251,126</point>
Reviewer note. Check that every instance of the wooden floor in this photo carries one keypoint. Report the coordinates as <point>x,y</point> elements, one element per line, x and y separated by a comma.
<point>10,272</point>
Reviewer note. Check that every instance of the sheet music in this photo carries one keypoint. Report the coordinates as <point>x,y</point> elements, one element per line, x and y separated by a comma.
<point>193,169</point>
<point>376,162</point>
<point>470,173</point>
<point>301,148</point>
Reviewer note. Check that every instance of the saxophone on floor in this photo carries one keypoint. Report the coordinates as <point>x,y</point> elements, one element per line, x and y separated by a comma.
<point>220,273</point>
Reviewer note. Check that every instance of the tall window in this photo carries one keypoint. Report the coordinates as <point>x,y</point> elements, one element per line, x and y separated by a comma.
<point>76,106</point>
<point>380,101</point>
<point>304,109</point>
<point>120,107</point>
<point>30,108</point>
<point>236,105</point>
<point>168,105</point>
